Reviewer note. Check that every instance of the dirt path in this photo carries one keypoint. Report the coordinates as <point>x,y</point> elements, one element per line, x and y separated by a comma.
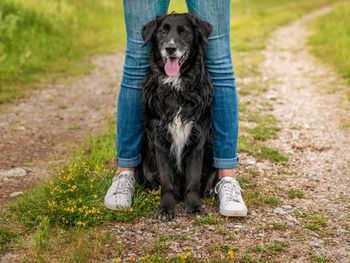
<point>312,134</point>
<point>52,121</point>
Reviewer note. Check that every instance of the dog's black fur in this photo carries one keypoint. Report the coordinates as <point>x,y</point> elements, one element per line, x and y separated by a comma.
<point>176,106</point>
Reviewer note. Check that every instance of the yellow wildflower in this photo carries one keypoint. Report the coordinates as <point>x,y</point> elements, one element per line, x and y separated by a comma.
<point>230,254</point>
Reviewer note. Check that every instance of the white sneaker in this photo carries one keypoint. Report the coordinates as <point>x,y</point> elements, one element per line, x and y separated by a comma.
<point>231,201</point>
<point>119,194</point>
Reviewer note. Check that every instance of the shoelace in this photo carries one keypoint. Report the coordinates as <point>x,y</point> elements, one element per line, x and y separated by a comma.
<point>125,182</point>
<point>231,188</point>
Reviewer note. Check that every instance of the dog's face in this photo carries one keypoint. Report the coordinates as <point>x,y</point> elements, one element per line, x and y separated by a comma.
<point>174,36</point>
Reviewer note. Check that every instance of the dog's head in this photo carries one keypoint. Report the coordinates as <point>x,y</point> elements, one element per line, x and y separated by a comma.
<point>174,37</point>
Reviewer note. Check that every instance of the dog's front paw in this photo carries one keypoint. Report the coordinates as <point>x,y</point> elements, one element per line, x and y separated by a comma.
<point>165,213</point>
<point>196,211</point>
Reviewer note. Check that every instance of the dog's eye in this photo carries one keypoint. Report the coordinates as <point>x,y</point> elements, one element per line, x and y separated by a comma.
<point>183,31</point>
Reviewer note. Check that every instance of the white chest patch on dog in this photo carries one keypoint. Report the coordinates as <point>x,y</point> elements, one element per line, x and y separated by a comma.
<point>175,81</point>
<point>180,132</point>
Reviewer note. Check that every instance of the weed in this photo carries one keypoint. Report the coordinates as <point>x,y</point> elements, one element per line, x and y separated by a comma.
<point>243,181</point>
<point>315,222</point>
<point>284,171</point>
<point>208,220</point>
<point>41,236</point>
<point>255,196</point>
<point>345,125</point>
<point>75,127</point>
<point>263,132</point>
<point>259,151</point>
<point>9,232</point>
<point>174,237</point>
<point>273,248</point>
<point>319,259</point>
<point>292,193</point>
<point>273,225</point>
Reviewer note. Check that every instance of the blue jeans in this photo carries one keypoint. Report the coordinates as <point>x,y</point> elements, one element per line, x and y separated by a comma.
<point>219,64</point>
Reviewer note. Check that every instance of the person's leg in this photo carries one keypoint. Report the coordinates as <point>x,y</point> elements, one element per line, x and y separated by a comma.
<point>129,111</point>
<point>225,102</point>
<point>219,65</point>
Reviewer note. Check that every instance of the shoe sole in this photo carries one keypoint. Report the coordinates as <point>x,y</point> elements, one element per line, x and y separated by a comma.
<point>233,213</point>
<point>116,208</point>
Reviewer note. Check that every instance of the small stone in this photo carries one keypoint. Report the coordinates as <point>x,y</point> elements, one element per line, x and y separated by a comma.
<point>271,96</point>
<point>14,194</point>
<point>250,161</point>
<point>279,211</point>
<point>316,242</point>
<point>287,207</point>
<point>17,172</point>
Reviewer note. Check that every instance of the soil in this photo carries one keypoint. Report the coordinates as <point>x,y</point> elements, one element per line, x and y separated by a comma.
<point>40,131</point>
<point>312,136</point>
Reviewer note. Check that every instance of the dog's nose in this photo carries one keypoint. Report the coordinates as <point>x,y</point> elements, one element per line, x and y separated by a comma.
<point>170,50</point>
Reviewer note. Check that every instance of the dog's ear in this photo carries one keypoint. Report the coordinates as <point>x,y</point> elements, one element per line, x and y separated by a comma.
<point>205,30</point>
<point>148,31</point>
<point>202,28</point>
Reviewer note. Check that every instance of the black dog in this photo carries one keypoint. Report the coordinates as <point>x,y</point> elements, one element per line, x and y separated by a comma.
<point>177,96</point>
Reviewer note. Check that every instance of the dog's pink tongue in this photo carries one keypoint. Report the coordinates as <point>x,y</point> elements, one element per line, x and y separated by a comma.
<point>172,67</point>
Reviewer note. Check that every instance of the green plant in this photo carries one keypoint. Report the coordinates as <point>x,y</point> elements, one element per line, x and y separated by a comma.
<point>292,193</point>
<point>41,235</point>
<point>273,248</point>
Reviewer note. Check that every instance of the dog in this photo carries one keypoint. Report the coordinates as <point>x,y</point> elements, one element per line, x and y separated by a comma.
<point>177,96</point>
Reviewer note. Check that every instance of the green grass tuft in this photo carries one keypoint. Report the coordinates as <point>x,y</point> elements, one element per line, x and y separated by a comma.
<point>259,151</point>
<point>292,193</point>
<point>263,132</point>
<point>273,248</point>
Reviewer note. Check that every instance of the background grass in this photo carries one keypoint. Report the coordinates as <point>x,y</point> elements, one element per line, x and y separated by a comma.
<point>41,40</point>
<point>331,40</point>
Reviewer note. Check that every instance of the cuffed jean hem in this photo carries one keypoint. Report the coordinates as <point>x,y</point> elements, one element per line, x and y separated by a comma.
<point>129,163</point>
<point>225,163</point>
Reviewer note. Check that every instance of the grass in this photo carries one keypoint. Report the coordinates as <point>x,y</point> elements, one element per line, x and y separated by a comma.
<point>273,225</point>
<point>318,259</point>
<point>331,40</point>
<point>43,40</point>
<point>292,193</point>
<point>258,150</point>
<point>315,223</point>
<point>273,248</point>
